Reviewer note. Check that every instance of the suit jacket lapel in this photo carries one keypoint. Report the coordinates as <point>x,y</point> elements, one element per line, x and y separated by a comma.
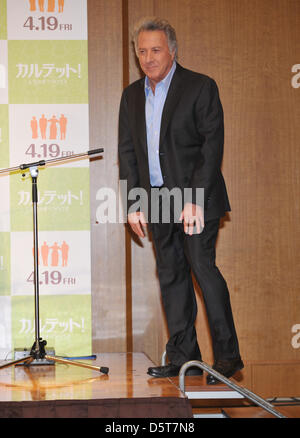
<point>140,116</point>
<point>174,93</point>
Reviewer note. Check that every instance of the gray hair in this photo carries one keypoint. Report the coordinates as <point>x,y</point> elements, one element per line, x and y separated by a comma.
<point>154,23</point>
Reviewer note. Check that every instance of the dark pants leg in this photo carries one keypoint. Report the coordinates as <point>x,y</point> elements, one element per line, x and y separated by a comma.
<point>177,254</point>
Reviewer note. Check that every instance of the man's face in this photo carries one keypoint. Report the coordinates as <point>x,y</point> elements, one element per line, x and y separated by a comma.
<point>154,55</point>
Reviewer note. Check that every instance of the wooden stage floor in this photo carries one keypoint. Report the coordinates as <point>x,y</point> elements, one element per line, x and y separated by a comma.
<point>69,391</point>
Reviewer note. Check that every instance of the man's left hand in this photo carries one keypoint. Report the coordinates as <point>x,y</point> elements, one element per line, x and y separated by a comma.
<point>192,215</point>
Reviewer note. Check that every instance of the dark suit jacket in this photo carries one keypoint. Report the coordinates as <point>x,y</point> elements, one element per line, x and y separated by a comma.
<point>191,139</point>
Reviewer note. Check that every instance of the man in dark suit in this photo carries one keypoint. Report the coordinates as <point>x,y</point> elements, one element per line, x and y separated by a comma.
<point>171,137</point>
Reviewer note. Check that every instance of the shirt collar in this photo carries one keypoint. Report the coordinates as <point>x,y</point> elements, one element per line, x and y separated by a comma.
<point>164,83</point>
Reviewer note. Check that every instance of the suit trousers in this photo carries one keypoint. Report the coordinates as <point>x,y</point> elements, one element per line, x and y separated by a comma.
<point>177,256</point>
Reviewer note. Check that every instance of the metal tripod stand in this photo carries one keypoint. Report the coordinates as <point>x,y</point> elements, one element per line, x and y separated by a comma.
<point>38,348</point>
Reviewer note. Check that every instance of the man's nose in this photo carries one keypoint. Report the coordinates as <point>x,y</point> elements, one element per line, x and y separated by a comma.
<point>149,56</point>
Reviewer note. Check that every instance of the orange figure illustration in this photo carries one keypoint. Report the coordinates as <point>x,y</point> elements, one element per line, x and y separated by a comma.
<point>51,5</point>
<point>53,128</point>
<point>55,254</point>
<point>32,5</point>
<point>41,5</point>
<point>63,126</point>
<point>43,126</point>
<point>45,253</point>
<point>34,127</point>
<point>65,253</point>
<point>61,5</point>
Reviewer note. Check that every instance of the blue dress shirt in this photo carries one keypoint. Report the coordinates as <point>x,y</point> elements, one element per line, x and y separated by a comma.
<point>153,110</point>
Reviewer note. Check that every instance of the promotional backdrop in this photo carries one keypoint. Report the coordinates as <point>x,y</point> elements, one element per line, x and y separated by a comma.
<point>44,115</point>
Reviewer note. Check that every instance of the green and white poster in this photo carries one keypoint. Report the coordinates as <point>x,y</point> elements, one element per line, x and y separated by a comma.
<point>44,115</point>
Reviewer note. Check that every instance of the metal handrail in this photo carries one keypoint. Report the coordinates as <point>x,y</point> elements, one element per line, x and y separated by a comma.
<point>245,392</point>
<point>164,358</point>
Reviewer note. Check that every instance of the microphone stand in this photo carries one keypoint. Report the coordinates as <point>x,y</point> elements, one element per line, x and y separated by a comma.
<point>38,348</point>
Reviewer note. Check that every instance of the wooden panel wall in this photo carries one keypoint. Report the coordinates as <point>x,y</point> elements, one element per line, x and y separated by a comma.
<point>249,48</point>
<point>108,242</point>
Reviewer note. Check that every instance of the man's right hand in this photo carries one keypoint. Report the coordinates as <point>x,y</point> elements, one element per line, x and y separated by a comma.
<point>137,222</point>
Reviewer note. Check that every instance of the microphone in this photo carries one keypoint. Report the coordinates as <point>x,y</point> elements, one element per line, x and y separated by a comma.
<point>95,151</point>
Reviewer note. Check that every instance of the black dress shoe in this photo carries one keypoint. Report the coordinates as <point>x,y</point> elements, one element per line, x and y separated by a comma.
<point>194,371</point>
<point>171,370</point>
<point>225,367</point>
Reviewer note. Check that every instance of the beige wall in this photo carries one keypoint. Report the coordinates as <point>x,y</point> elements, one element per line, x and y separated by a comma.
<point>108,249</point>
<point>249,48</point>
